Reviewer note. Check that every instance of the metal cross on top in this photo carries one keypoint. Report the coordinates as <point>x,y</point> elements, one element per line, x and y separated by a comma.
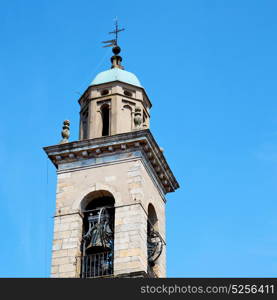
<point>116,31</point>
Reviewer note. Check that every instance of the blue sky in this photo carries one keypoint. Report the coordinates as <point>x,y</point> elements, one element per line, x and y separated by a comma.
<point>209,68</point>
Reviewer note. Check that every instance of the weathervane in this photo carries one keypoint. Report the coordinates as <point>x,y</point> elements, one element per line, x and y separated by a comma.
<point>115,59</point>
<point>116,31</point>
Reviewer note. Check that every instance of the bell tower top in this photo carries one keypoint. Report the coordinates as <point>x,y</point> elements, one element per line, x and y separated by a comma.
<point>115,102</point>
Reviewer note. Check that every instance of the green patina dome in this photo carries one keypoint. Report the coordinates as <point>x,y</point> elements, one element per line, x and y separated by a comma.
<point>114,75</point>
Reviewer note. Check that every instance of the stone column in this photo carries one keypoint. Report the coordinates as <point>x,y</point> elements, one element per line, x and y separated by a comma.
<point>130,247</point>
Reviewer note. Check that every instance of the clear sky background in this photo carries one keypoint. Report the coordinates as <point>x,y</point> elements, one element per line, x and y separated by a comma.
<point>209,68</point>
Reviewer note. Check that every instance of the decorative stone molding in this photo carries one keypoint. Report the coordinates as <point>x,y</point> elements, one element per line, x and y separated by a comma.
<point>84,153</point>
<point>65,132</point>
<point>141,140</point>
<point>138,118</point>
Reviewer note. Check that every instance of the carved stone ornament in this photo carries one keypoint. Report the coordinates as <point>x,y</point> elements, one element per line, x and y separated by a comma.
<point>138,118</point>
<point>65,132</point>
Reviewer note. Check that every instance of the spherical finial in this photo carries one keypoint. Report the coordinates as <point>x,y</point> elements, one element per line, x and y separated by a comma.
<point>116,50</point>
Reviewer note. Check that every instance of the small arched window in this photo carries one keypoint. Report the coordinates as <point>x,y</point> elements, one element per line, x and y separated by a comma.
<point>127,117</point>
<point>104,92</point>
<point>84,119</point>
<point>128,93</point>
<point>105,112</point>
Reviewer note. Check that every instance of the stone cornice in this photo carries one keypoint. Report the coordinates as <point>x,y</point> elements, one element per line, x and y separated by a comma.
<point>132,141</point>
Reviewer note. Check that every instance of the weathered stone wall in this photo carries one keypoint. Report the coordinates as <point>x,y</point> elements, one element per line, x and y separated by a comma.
<point>133,188</point>
<point>154,197</point>
<point>66,245</point>
<point>130,250</point>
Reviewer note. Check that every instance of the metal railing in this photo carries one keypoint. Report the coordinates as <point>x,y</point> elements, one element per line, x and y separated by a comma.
<point>97,265</point>
<point>151,273</point>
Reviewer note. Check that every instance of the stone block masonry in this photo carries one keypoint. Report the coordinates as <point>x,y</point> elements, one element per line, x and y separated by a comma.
<point>130,245</point>
<point>66,245</point>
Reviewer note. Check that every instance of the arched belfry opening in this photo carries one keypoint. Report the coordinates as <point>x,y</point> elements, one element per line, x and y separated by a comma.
<point>97,245</point>
<point>105,113</point>
<point>154,241</point>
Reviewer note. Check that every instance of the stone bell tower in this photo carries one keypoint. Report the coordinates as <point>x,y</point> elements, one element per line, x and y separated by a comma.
<point>111,185</point>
